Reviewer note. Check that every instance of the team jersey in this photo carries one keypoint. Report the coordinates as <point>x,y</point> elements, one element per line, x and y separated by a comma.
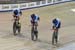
<point>56,23</point>
<point>17,12</point>
<point>35,19</point>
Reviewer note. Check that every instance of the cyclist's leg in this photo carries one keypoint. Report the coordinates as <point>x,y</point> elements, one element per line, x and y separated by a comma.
<point>32,32</point>
<point>35,32</point>
<point>14,28</point>
<point>18,25</point>
<point>56,36</point>
<point>36,35</point>
<point>19,28</point>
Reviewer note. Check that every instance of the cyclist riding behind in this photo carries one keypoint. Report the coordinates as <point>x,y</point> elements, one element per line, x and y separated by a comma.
<point>34,23</point>
<point>34,20</point>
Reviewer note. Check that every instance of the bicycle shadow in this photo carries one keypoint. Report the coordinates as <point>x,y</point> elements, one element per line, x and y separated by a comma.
<point>9,35</point>
<point>44,41</point>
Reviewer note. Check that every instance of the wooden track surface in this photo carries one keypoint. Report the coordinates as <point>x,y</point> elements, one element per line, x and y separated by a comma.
<point>23,42</point>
